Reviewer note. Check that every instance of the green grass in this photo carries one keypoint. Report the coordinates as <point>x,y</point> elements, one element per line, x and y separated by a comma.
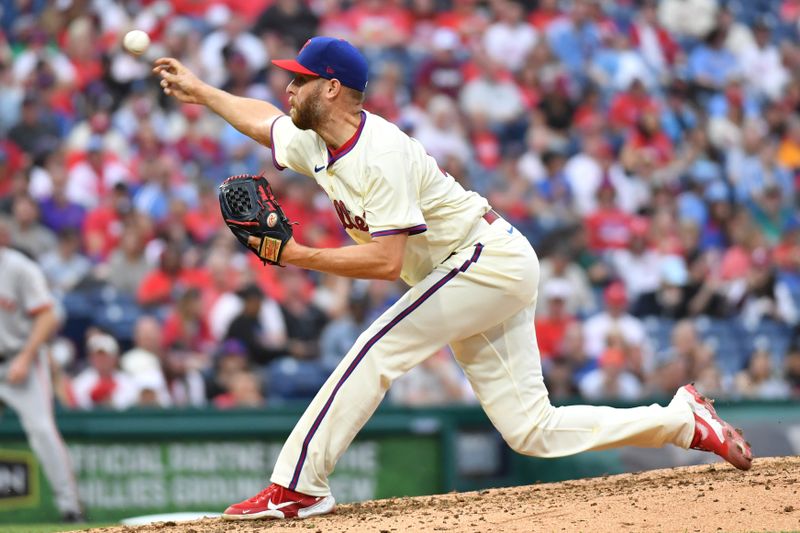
<point>49,528</point>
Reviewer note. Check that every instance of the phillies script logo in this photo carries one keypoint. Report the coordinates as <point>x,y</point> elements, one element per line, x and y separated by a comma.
<point>347,221</point>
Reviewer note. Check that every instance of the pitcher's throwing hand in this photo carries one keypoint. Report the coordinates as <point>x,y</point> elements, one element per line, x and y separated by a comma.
<point>179,81</point>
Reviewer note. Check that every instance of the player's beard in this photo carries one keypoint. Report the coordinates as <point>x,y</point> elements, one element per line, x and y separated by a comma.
<point>309,114</point>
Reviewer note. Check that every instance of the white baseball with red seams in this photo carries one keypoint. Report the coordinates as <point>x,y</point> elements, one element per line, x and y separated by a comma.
<point>136,42</point>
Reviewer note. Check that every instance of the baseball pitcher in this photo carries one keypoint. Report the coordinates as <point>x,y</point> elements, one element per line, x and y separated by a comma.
<point>473,281</point>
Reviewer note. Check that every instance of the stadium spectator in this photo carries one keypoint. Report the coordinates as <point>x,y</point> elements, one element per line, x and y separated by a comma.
<point>442,134</point>
<point>229,359</point>
<point>12,160</point>
<point>637,265</point>
<point>293,21</point>
<point>572,354</point>
<point>509,39</point>
<point>762,65</point>
<point>185,384</point>
<point>230,35</point>
<point>552,325</point>
<point>35,132</point>
<point>553,202</point>
<point>670,299</point>
<point>265,340</point>
<point>688,18</point>
<point>148,348</point>
<point>573,36</point>
<point>127,266</point>
<point>759,379</point>
<point>58,212</point>
<point>761,295</point>
<point>27,233</point>
<point>442,72</point>
<point>560,265</point>
<point>91,177</point>
<point>96,133</point>
<point>186,324</point>
<point>435,381</point>
<point>160,286</point>
<point>586,170</point>
<point>608,225</point>
<point>340,334</point>
<point>610,380</point>
<point>655,44</point>
<point>64,266</point>
<point>244,390</point>
<point>103,225</point>
<point>646,144</point>
<point>704,288</point>
<point>627,106</point>
<point>493,93</point>
<point>304,321</point>
<point>613,321</point>
<point>686,358</point>
<point>102,384</point>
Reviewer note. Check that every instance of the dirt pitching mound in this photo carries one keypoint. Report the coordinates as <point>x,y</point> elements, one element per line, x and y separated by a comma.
<point>698,498</point>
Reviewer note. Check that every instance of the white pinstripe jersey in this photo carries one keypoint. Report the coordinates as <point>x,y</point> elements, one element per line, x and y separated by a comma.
<point>382,182</point>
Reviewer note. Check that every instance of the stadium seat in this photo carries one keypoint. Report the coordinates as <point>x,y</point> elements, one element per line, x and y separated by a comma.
<point>292,379</point>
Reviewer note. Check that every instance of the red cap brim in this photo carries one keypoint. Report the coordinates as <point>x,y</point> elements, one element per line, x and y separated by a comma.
<point>293,66</point>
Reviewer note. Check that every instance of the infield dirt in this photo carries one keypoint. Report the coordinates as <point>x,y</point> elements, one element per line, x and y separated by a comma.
<point>691,499</point>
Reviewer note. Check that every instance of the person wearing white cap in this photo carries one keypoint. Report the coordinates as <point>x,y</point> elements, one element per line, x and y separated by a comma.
<point>551,326</point>
<point>442,73</point>
<point>102,384</point>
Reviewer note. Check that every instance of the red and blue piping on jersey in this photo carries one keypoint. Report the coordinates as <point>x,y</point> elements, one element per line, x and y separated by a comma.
<point>335,155</point>
<point>363,352</point>
<point>413,230</point>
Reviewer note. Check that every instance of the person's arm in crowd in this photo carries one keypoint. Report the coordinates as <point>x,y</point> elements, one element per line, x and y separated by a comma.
<point>700,302</point>
<point>44,323</point>
<point>250,116</point>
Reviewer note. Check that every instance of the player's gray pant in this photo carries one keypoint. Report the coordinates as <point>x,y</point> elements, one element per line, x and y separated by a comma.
<point>33,402</point>
<point>481,302</point>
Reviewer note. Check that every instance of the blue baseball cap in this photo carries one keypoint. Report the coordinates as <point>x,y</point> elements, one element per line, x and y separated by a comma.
<point>329,58</point>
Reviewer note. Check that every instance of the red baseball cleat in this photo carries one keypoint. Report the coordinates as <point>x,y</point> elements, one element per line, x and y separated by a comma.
<point>713,434</point>
<point>279,502</point>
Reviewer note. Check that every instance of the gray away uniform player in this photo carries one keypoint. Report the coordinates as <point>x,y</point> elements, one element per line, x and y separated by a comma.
<point>26,321</point>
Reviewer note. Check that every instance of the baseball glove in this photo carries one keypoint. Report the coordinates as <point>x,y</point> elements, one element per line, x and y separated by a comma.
<point>249,208</point>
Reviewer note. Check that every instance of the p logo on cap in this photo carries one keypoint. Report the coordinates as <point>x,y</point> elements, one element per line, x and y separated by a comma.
<point>329,58</point>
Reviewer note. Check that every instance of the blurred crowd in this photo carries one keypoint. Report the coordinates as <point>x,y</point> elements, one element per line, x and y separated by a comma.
<point>650,151</point>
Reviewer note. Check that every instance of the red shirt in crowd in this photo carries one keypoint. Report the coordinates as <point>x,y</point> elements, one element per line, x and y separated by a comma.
<point>195,335</point>
<point>626,108</point>
<point>158,287</point>
<point>608,229</point>
<point>550,333</point>
<point>658,147</point>
<point>10,164</point>
<point>102,231</point>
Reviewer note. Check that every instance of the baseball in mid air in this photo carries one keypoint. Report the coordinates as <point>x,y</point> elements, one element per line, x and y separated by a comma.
<point>136,42</point>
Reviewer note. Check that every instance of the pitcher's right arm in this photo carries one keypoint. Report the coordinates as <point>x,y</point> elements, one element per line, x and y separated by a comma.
<point>250,116</point>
